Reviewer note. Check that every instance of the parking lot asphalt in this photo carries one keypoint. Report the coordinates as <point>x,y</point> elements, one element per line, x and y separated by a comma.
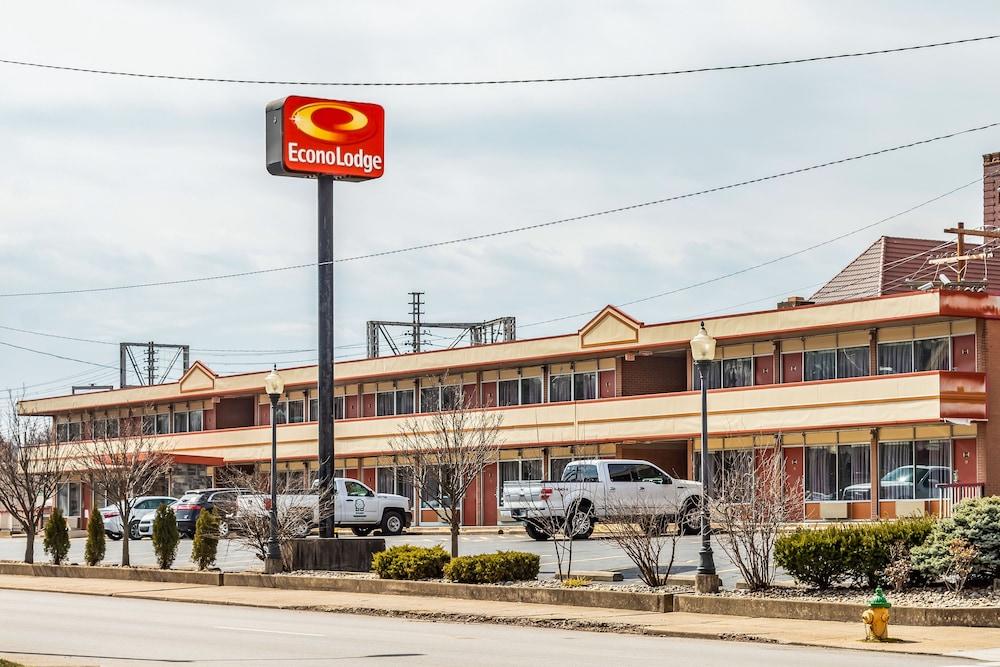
<point>594,554</point>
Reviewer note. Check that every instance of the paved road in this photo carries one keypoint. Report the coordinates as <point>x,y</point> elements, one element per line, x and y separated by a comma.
<point>53,628</point>
<point>592,554</point>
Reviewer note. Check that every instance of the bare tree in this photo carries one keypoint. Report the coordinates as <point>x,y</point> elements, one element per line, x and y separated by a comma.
<point>550,523</point>
<point>446,452</point>
<point>752,502</point>
<point>299,510</point>
<point>32,466</point>
<point>126,463</point>
<point>641,528</point>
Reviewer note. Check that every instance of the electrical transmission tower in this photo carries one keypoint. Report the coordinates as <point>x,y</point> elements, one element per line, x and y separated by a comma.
<point>416,331</point>
<point>143,359</point>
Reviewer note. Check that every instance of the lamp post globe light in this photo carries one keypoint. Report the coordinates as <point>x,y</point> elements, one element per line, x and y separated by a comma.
<point>274,386</point>
<point>703,353</point>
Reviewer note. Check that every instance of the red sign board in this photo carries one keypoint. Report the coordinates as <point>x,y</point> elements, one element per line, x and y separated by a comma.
<point>308,137</point>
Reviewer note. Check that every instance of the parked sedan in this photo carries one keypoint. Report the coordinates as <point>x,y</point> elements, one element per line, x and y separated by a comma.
<point>222,501</point>
<point>146,522</point>
<point>141,506</point>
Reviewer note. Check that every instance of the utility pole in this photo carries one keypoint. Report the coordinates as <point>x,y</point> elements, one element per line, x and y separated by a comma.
<point>416,311</point>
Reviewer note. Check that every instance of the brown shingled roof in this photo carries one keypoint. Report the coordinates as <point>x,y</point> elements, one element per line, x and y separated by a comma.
<point>892,264</point>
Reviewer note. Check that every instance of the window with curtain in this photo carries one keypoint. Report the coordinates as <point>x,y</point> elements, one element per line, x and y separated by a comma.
<point>729,466</point>
<point>385,480</point>
<point>430,399</point>
<point>508,392</point>
<point>737,372</point>
<point>895,358</point>
<point>296,411</point>
<point>852,362</point>
<point>404,402</point>
<point>385,403</point>
<point>560,388</point>
<point>932,354</point>
<point>932,460</point>
<point>556,467</point>
<point>713,376</point>
<point>819,365</point>
<point>854,472</point>
<point>896,472</point>
<point>531,390</point>
<point>820,473</point>
<point>584,386</point>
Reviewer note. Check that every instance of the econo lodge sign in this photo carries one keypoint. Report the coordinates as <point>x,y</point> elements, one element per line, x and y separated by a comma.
<point>308,136</point>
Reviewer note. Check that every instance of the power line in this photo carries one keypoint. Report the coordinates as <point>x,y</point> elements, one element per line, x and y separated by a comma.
<point>90,374</point>
<point>513,230</point>
<point>57,356</point>
<point>773,260</point>
<point>494,82</point>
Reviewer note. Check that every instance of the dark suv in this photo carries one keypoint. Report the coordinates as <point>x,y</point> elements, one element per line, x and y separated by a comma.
<point>222,501</point>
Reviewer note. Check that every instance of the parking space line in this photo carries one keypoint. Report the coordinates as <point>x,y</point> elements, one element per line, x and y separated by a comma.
<point>273,632</point>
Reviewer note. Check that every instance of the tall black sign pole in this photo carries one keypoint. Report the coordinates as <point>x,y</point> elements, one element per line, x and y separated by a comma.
<point>325,367</point>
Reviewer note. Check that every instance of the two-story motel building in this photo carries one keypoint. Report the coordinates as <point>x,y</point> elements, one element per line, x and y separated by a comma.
<point>877,393</point>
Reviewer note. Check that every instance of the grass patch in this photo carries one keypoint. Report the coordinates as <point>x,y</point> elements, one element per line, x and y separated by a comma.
<point>8,663</point>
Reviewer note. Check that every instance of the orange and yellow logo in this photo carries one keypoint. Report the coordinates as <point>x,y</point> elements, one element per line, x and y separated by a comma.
<point>334,122</point>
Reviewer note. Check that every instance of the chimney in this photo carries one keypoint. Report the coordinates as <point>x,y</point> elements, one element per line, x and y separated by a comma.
<point>991,190</point>
<point>794,302</point>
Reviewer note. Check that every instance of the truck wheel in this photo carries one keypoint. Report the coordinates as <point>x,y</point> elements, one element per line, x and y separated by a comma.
<point>690,521</point>
<point>535,533</point>
<point>392,523</point>
<point>223,528</point>
<point>362,532</point>
<point>580,525</point>
<point>113,536</point>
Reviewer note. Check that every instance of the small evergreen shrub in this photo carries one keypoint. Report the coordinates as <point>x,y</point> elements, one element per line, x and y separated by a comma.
<point>977,522</point>
<point>493,568</point>
<point>206,539</point>
<point>410,562</point>
<point>56,541</point>
<point>93,552</point>
<point>576,582</point>
<point>858,554</point>
<point>165,537</point>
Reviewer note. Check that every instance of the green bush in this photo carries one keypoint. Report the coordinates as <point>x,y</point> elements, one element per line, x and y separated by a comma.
<point>410,562</point>
<point>165,537</point>
<point>493,568</point>
<point>93,552</point>
<point>975,521</point>
<point>858,553</point>
<point>206,539</point>
<point>56,541</point>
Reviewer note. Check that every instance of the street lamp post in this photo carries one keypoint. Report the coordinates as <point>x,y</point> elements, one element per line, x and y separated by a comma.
<point>703,352</point>
<point>274,386</point>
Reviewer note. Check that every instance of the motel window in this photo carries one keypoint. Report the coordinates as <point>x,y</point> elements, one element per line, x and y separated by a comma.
<point>395,479</point>
<point>573,387</point>
<point>296,411</point>
<point>730,467</point>
<point>557,466</point>
<point>518,471</point>
<point>838,473</point>
<point>852,362</point>
<point>820,365</point>
<point>105,428</point>
<point>737,372</point>
<point>69,431</point>
<point>186,422</point>
<point>398,402</point>
<point>929,354</point>
<point>519,391</point>
<point>910,470</point>
<point>163,423</point>
<point>338,408</point>
<point>148,424</point>
<point>442,397</point>
<point>280,412</point>
<point>713,376</point>
<point>69,498</point>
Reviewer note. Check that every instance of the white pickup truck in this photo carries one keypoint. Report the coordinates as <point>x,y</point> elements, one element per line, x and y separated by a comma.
<point>591,490</point>
<point>355,506</point>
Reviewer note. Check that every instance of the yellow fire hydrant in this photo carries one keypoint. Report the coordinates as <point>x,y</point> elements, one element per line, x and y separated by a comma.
<point>876,618</point>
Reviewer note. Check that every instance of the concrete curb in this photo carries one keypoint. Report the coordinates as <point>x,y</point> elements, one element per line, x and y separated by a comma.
<point>810,610</point>
<point>116,573</point>
<point>659,602</point>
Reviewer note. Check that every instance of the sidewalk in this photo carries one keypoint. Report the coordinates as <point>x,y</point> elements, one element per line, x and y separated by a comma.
<point>982,643</point>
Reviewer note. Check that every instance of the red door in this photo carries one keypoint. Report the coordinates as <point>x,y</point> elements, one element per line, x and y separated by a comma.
<point>794,467</point>
<point>763,370</point>
<point>606,384</point>
<point>469,504</point>
<point>368,477</point>
<point>368,405</point>
<point>490,495</point>
<point>963,353</point>
<point>351,407</point>
<point>470,395</point>
<point>489,390</point>
<point>791,367</point>
<point>965,461</point>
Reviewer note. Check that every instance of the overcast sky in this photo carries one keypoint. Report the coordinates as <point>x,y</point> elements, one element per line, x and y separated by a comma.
<point>107,181</point>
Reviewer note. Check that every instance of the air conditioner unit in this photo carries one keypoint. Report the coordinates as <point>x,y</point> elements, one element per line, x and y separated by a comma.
<point>833,510</point>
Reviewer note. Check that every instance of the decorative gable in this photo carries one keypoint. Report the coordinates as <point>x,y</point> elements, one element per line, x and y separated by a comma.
<point>197,378</point>
<point>610,327</point>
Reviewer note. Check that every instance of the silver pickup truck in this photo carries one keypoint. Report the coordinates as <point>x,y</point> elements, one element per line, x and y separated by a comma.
<point>592,490</point>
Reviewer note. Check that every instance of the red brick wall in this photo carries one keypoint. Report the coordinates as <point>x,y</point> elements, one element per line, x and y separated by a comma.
<point>653,375</point>
<point>988,438</point>
<point>991,182</point>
